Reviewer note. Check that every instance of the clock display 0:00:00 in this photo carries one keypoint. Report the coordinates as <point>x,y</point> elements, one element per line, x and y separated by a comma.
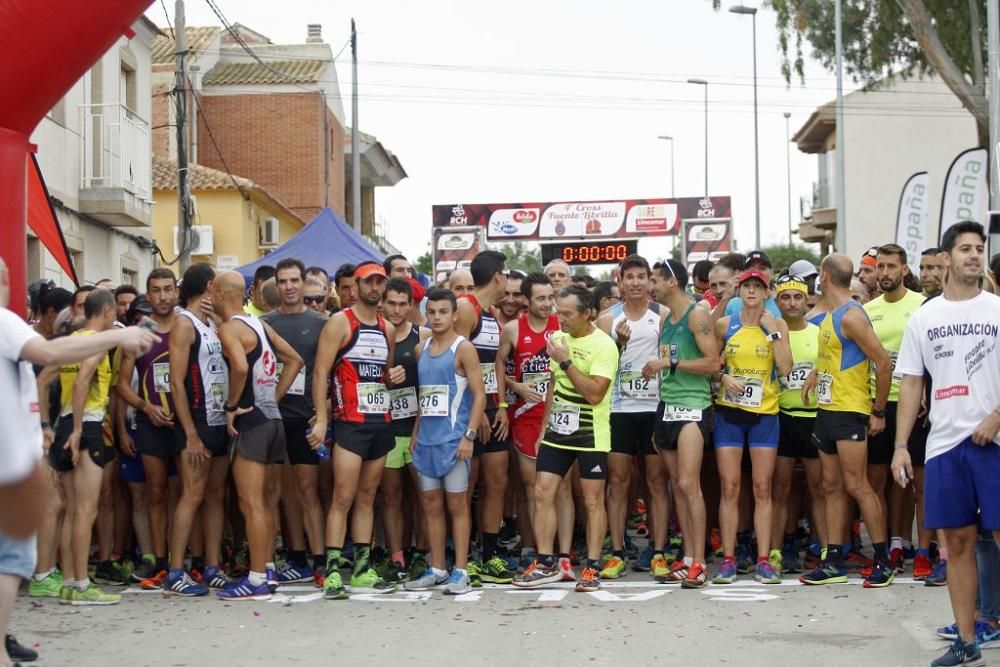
<point>589,253</point>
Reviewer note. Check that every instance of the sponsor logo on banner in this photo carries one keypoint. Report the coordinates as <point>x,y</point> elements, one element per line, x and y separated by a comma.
<point>513,222</point>
<point>705,208</point>
<point>966,195</point>
<point>912,230</point>
<point>458,216</point>
<point>651,218</point>
<point>582,219</point>
<point>456,241</point>
<point>950,392</point>
<point>706,232</point>
<point>447,265</point>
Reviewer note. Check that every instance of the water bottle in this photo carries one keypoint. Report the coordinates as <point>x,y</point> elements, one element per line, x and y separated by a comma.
<point>323,451</point>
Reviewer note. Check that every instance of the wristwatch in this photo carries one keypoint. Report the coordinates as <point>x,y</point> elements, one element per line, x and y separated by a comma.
<point>470,434</point>
<point>231,408</point>
<point>878,413</point>
<point>673,364</point>
<point>565,364</point>
<point>774,335</point>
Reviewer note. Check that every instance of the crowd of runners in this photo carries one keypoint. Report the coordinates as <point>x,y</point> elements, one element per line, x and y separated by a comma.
<point>367,434</point>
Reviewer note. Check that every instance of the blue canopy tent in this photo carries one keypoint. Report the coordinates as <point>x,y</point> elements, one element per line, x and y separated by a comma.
<point>327,241</point>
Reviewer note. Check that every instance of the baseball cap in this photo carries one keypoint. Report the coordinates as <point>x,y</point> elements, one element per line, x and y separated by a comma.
<point>751,274</point>
<point>757,256</point>
<point>789,282</point>
<point>140,306</point>
<point>802,268</point>
<point>418,290</point>
<point>369,269</point>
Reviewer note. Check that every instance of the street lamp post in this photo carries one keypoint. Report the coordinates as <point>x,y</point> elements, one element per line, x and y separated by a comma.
<point>788,172</point>
<point>752,11</point>
<point>703,82</point>
<point>671,140</point>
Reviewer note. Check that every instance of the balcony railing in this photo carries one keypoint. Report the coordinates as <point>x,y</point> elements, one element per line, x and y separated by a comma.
<point>115,149</point>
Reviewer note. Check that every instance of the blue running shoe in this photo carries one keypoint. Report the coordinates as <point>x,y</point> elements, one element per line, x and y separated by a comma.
<point>272,579</point>
<point>727,573</point>
<point>981,629</point>
<point>939,577</point>
<point>987,637</point>
<point>631,549</point>
<point>744,559</point>
<point>960,653</point>
<point>216,578</point>
<point>184,586</point>
<point>766,574</point>
<point>645,560</point>
<point>244,590</point>
<point>826,573</point>
<point>293,574</point>
<point>458,584</point>
<point>426,581</point>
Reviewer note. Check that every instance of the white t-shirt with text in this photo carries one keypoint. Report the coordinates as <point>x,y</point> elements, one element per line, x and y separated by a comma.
<point>20,426</point>
<point>956,342</point>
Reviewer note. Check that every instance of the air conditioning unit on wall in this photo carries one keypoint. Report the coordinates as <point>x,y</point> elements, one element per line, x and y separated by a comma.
<point>202,240</point>
<point>268,233</point>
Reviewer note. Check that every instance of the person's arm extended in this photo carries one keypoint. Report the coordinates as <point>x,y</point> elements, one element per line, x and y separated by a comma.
<point>782,346</point>
<point>591,387</point>
<point>291,362</point>
<point>700,323</point>
<point>236,354</point>
<point>335,332</point>
<point>71,349</point>
<point>181,338</point>
<point>44,382</point>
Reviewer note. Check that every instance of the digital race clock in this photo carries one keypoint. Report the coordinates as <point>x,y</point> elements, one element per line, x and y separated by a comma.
<point>589,252</point>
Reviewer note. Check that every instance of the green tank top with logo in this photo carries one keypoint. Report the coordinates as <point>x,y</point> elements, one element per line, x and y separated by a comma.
<point>682,390</point>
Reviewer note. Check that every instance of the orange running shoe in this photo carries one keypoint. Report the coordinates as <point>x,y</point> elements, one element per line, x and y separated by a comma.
<point>154,583</point>
<point>921,567</point>
<point>696,577</point>
<point>590,580</point>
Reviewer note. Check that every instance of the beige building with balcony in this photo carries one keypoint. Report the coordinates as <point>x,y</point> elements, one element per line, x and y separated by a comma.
<point>95,156</point>
<point>891,131</point>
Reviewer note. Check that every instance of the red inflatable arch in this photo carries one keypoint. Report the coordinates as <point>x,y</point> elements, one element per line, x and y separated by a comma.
<point>47,45</point>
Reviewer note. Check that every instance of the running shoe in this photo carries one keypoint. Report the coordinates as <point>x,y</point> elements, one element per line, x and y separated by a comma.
<point>418,565</point>
<point>426,581</point>
<point>66,594</point>
<point>981,629</point>
<point>856,561</point>
<point>939,576</point>
<point>17,651</point>
<point>458,584</point>
<point>144,570</point>
<point>537,575</point>
<point>525,561</point>
<point>678,573</point>
<point>495,571</point>
<point>47,587</point>
<point>93,595</point>
<point>509,560</point>
<point>216,578</point>
<point>642,530</point>
<point>244,590</point>
<point>614,567</point>
<point>716,539</point>
<point>319,576</point>
<point>631,548</point>
<point>271,578</point>
<point>910,552</point>
<point>644,562</point>
<point>106,573</point>
<point>775,559</point>
<point>474,569</point>
<point>155,582</point>
<point>826,573</point>
<point>566,569</point>
<point>790,560</point>
<point>727,573</point>
<point>921,567</point>
<point>744,559</point>
<point>368,581</point>
<point>811,561</point>
<point>697,576</point>
<point>509,538</point>
<point>184,586</point>
<point>659,567</point>
<point>289,573</point>
<point>766,574</point>
<point>124,567</point>
<point>197,575</point>
<point>987,637</point>
<point>333,586</point>
<point>960,653</point>
<point>391,571</point>
<point>590,580</point>
<point>896,560</point>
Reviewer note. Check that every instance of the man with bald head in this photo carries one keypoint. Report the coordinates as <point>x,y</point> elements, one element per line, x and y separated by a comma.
<point>460,282</point>
<point>557,271</point>
<point>846,416</point>
<point>253,350</point>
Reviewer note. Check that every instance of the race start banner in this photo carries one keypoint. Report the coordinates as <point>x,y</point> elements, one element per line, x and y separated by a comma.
<point>556,221</point>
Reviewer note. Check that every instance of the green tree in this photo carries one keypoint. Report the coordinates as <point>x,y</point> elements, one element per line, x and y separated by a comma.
<point>521,256</point>
<point>425,264</point>
<point>886,38</point>
<point>783,255</point>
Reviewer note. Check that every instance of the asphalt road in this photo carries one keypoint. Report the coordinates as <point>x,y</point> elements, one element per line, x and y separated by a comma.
<point>632,620</point>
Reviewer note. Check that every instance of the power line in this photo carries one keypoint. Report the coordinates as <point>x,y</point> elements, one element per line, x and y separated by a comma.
<point>170,23</point>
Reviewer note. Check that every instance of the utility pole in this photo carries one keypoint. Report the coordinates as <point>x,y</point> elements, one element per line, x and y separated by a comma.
<point>180,99</point>
<point>841,238</point>
<point>355,137</point>
<point>788,172</point>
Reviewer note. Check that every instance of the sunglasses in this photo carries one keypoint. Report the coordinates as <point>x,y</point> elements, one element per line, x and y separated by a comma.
<point>669,268</point>
<point>789,279</point>
<point>871,252</point>
<point>313,299</point>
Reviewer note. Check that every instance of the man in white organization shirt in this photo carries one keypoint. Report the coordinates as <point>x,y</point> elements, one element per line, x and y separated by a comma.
<point>21,476</point>
<point>954,337</point>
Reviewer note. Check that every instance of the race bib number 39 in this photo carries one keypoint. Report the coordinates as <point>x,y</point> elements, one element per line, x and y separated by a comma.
<point>373,398</point>
<point>824,388</point>
<point>753,393</point>
<point>564,418</point>
<point>489,372</point>
<point>434,400</point>
<point>404,403</point>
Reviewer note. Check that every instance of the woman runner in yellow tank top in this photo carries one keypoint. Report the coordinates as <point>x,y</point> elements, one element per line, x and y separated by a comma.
<point>755,351</point>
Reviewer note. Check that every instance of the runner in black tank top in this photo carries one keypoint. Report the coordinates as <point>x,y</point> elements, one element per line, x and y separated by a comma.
<point>477,322</point>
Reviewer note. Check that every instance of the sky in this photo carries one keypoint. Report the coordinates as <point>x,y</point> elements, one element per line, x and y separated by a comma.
<point>560,101</point>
